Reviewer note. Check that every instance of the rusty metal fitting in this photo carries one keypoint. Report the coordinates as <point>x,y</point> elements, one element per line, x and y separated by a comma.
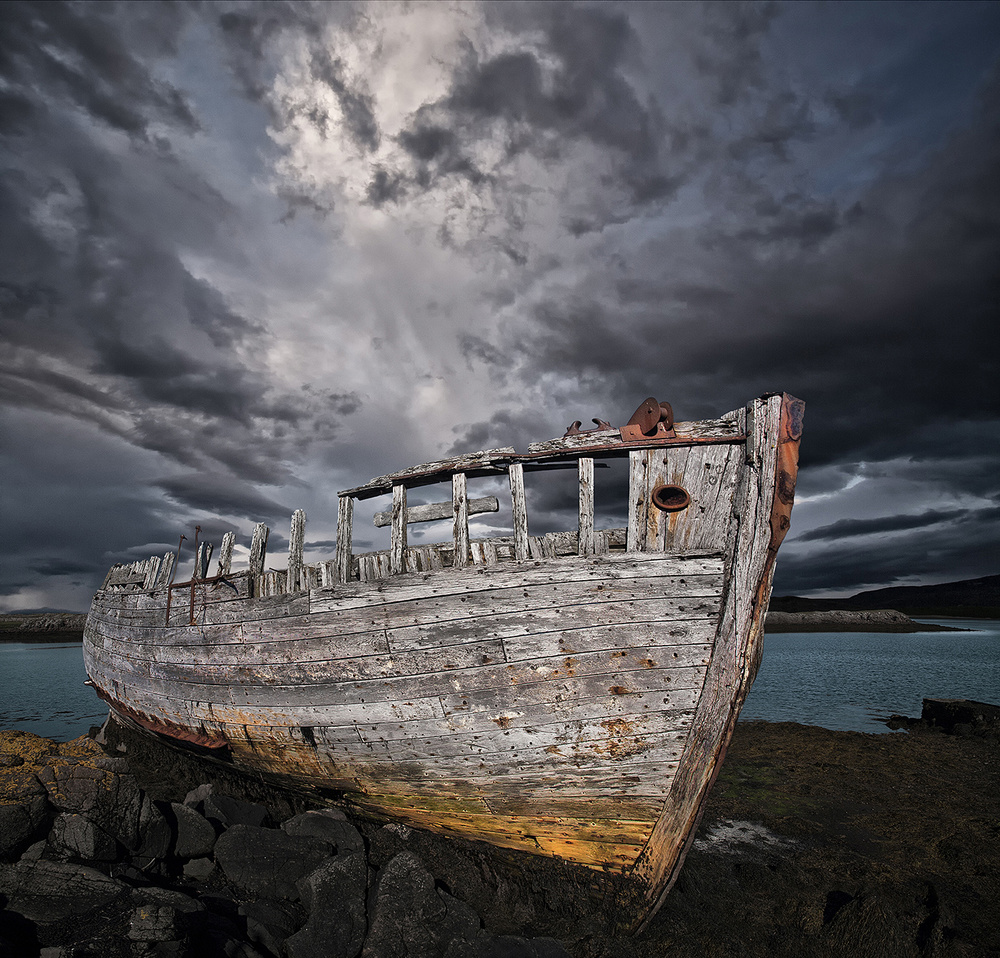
<point>670,498</point>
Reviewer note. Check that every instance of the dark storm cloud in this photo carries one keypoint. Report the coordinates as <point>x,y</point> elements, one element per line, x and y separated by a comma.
<point>846,528</point>
<point>958,549</point>
<point>221,493</point>
<point>89,55</point>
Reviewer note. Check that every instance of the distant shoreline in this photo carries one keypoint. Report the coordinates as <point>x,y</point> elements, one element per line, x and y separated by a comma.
<point>843,620</point>
<point>42,626</point>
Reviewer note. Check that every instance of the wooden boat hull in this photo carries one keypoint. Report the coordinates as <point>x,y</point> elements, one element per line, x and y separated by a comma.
<point>575,706</point>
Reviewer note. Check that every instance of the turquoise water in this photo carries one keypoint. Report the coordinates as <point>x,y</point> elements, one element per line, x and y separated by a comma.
<point>853,681</point>
<point>849,681</point>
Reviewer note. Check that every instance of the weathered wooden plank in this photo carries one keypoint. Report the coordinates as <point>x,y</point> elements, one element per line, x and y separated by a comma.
<point>166,568</point>
<point>345,517</point>
<point>440,510</point>
<point>152,573</point>
<point>585,538</point>
<point>519,511</point>
<point>638,462</point>
<point>258,549</point>
<point>433,471</point>
<point>456,588</point>
<point>226,553</point>
<point>460,508</point>
<point>397,551</point>
<point>296,543</point>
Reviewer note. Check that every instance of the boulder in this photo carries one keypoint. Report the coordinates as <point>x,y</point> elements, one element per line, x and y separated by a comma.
<point>111,801</point>
<point>195,834</point>
<point>334,896</point>
<point>76,836</point>
<point>329,825</point>
<point>409,916</point>
<point>47,891</point>
<point>20,824</point>
<point>270,923</point>
<point>225,811</point>
<point>265,862</point>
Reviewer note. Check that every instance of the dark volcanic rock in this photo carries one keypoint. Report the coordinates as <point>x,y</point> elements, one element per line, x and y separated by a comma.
<point>330,825</point>
<point>75,836</point>
<point>225,811</point>
<point>266,862</point>
<point>21,823</point>
<point>195,833</point>
<point>110,800</point>
<point>271,923</point>
<point>410,917</point>
<point>46,891</point>
<point>334,896</point>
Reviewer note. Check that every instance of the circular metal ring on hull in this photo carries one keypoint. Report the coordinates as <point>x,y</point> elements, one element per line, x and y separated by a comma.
<point>671,498</point>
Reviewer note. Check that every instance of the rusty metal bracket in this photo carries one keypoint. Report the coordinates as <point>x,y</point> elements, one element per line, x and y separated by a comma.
<point>575,430</point>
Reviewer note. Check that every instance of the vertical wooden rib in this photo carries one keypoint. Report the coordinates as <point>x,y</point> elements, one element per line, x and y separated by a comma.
<point>636,535</point>
<point>168,566</point>
<point>226,553</point>
<point>296,544</point>
<point>202,560</point>
<point>345,519</point>
<point>258,549</point>
<point>460,507</point>
<point>397,549</point>
<point>585,470</point>
<point>519,510</point>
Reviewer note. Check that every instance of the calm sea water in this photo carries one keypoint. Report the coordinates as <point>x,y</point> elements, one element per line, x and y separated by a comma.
<point>853,681</point>
<point>42,690</point>
<point>849,681</point>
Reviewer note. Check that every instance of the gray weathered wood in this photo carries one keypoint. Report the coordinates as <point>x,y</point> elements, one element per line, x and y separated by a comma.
<point>226,553</point>
<point>488,459</point>
<point>202,560</point>
<point>585,544</point>
<point>460,510</point>
<point>439,510</point>
<point>258,549</point>
<point>397,551</point>
<point>519,511</point>
<point>296,543</point>
<point>345,521</point>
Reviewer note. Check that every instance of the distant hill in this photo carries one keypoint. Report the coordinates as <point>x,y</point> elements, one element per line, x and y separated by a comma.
<point>972,598</point>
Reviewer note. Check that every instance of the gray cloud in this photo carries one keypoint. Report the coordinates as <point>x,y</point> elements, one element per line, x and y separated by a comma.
<point>253,253</point>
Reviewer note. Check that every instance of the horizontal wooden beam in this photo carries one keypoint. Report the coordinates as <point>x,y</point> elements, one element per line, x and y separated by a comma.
<point>440,510</point>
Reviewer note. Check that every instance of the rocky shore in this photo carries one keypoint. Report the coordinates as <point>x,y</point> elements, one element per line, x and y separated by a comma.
<point>42,627</point>
<point>812,843</point>
<point>848,620</point>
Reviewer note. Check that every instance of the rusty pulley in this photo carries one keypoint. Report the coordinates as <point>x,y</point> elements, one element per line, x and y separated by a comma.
<point>652,420</point>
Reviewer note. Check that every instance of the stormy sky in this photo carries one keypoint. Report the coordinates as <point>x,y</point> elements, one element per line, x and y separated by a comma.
<point>255,253</point>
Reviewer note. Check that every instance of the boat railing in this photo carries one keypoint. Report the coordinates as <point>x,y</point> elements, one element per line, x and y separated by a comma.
<point>648,499</point>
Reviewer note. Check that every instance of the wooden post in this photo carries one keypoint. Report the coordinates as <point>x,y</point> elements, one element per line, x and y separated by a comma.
<point>258,549</point>
<point>166,568</point>
<point>226,553</point>
<point>460,508</point>
<point>637,504</point>
<point>585,469</point>
<point>519,510</point>
<point>152,573</point>
<point>202,559</point>
<point>397,551</point>
<point>296,543</point>
<point>345,518</point>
